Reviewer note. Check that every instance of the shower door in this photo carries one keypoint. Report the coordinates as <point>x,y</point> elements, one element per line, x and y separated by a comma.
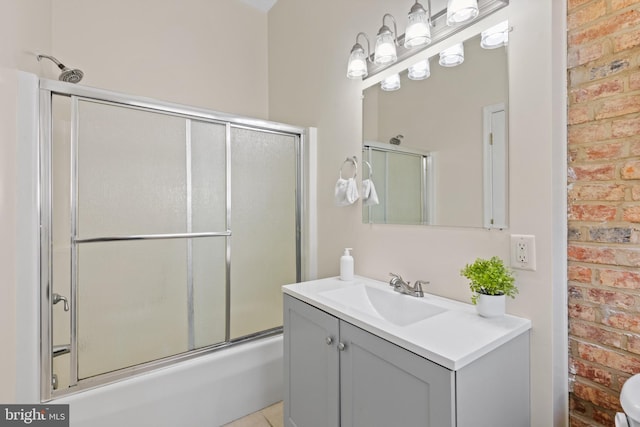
<point>165,235</point>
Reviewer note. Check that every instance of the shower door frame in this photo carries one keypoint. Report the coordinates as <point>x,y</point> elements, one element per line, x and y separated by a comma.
<point>49,88</point>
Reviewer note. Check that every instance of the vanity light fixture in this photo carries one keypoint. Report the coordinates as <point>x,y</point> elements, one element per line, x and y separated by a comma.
<point>418,32</point>
<point>452,56</point>
<point>391,83</point>
<point>460,11</point>
<point>496,36</point>
<point>420,70</point>
<point>424,27</point>
<point>357,66</point>
<point>386,41</point>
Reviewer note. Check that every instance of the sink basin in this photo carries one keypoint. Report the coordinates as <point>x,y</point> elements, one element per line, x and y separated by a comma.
<point>391,306</point>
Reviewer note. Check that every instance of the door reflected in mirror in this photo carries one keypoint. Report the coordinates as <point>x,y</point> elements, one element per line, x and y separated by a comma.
<point>456,120</point>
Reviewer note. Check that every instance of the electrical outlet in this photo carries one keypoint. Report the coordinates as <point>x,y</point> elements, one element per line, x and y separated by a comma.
<point>523,252</point>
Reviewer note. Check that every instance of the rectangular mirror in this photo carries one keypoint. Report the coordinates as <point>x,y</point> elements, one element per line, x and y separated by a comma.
<point>456,120</point>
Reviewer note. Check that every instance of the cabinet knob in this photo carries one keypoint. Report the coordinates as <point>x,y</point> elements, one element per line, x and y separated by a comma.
<point>341,346</point>
<point>329,340</point>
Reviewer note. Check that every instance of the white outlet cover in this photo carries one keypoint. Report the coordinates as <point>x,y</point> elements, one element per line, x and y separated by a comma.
<point>529,251</point>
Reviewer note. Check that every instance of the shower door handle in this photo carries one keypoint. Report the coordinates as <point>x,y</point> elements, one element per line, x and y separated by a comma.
<point>57,298</point>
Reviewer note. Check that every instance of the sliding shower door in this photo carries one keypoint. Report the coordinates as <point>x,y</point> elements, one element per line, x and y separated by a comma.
<point>263,247</point>
<point>166,234</point>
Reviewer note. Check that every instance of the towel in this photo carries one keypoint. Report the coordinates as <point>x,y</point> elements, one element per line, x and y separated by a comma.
<point>369,194</point>
<point>346,192</point>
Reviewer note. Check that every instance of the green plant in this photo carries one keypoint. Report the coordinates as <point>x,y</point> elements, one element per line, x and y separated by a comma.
<point>489,277</point>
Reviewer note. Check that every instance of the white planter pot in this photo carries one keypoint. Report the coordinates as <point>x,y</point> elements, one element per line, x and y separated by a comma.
<point>491,305</point>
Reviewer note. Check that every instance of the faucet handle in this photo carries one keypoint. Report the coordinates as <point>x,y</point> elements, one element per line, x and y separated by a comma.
<point>394,279</point>
<point>417,286</point>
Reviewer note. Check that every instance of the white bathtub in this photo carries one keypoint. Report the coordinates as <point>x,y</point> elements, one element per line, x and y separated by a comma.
<point>207,391</point>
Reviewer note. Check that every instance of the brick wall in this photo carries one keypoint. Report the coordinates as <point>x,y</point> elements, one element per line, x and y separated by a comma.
<point>604,205</point>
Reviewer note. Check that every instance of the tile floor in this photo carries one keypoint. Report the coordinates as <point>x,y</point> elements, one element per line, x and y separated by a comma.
<point>268,417</point>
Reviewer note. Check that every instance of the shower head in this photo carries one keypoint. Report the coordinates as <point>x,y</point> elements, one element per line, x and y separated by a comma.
<point>71,75</point>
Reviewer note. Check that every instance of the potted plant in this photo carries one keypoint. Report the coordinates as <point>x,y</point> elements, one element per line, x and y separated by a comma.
<point>491,282</point>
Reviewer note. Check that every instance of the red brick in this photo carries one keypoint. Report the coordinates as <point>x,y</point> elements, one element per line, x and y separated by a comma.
<point>618,107</point>
<point>582,312</point>
<point>607,357</point>
<point>626,41</point>
<point>579,113</point>
<point>604,151</point>
<point>580,55</point>
<point>630,170</point>
<point>597,396</point>
<point>589,133</point>
<point>595,333</point>
<point>598,90</point>
<point>592,172</point>
<point>627,257</point>
<point>625,321</point>
<point>592,213</point>
<point>605,27</point>
<point>572,4</point>
<point>634,149</point>
<point>619,4</point>
<point>625,127</point>
<point>586,14</point>
<point>576,422</point>
<point>611,299</point>
<point>633,343</point>
<point>635,192</point>
<point>620,279</point>
<point>580,274</point>
<point>604,192</point>
<point>591,372</point>
<point>593,254</point>
<point>634,81</point>
<point>631,214</point>
<point>604,417</point>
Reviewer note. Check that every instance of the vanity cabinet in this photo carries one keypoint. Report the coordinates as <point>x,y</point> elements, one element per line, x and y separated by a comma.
<point>337,374</point>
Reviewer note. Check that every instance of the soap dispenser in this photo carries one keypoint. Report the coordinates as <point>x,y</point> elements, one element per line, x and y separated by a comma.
<point>346,265</point>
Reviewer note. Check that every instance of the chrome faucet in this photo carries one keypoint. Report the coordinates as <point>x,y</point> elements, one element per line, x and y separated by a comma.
<point>399,285</point>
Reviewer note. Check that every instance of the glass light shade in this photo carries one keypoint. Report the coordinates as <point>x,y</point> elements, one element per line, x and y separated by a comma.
<point>452,56</point>
<point>419,70</point>
<point>418,32</point>
<point>357,66</point>
<point>459,11</point>
<point>496,36</point>
<point>391,83</point>
<point>385,51</point>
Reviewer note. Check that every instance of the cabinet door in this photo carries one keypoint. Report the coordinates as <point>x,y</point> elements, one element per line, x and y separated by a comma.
<point>384,385</point>
<point>311,396</point>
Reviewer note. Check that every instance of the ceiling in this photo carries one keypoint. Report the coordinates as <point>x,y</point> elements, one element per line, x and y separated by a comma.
<point>263,5</point>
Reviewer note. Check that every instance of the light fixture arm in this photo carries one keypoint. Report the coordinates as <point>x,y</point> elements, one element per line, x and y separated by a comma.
<point>432,24</point>
<point>368,44</point>
<point>395,27</point>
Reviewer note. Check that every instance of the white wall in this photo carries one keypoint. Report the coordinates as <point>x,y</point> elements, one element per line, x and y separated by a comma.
<point>25,28</point>
<point>203,53</point>
<point>309,43</point>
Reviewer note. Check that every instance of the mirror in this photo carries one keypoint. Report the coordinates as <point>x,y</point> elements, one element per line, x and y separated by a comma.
<point>452,131</point>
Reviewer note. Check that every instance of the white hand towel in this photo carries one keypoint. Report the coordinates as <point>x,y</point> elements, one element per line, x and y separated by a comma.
<point>369,194</point>
<point>346,192</point>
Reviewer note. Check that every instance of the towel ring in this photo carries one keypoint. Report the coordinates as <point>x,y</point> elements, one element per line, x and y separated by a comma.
<point>354,161</point>
<point>370,168</point>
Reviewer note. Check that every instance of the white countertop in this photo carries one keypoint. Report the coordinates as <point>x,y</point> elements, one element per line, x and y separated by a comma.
<point>454,338</point>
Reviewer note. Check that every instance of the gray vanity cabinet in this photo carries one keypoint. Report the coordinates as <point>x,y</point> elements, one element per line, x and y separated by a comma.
<point>337,374</point>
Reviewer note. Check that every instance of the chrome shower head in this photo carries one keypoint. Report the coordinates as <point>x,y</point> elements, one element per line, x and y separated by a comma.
<point>70,75</point>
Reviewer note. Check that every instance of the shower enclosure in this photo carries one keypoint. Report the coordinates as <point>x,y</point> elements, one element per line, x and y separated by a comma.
<point>166,232</point>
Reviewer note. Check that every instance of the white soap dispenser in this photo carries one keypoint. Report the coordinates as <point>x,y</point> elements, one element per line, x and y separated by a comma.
<point>346,265</point>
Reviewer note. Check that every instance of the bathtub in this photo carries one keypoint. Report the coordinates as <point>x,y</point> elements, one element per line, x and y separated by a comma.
<point>206,391</point>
